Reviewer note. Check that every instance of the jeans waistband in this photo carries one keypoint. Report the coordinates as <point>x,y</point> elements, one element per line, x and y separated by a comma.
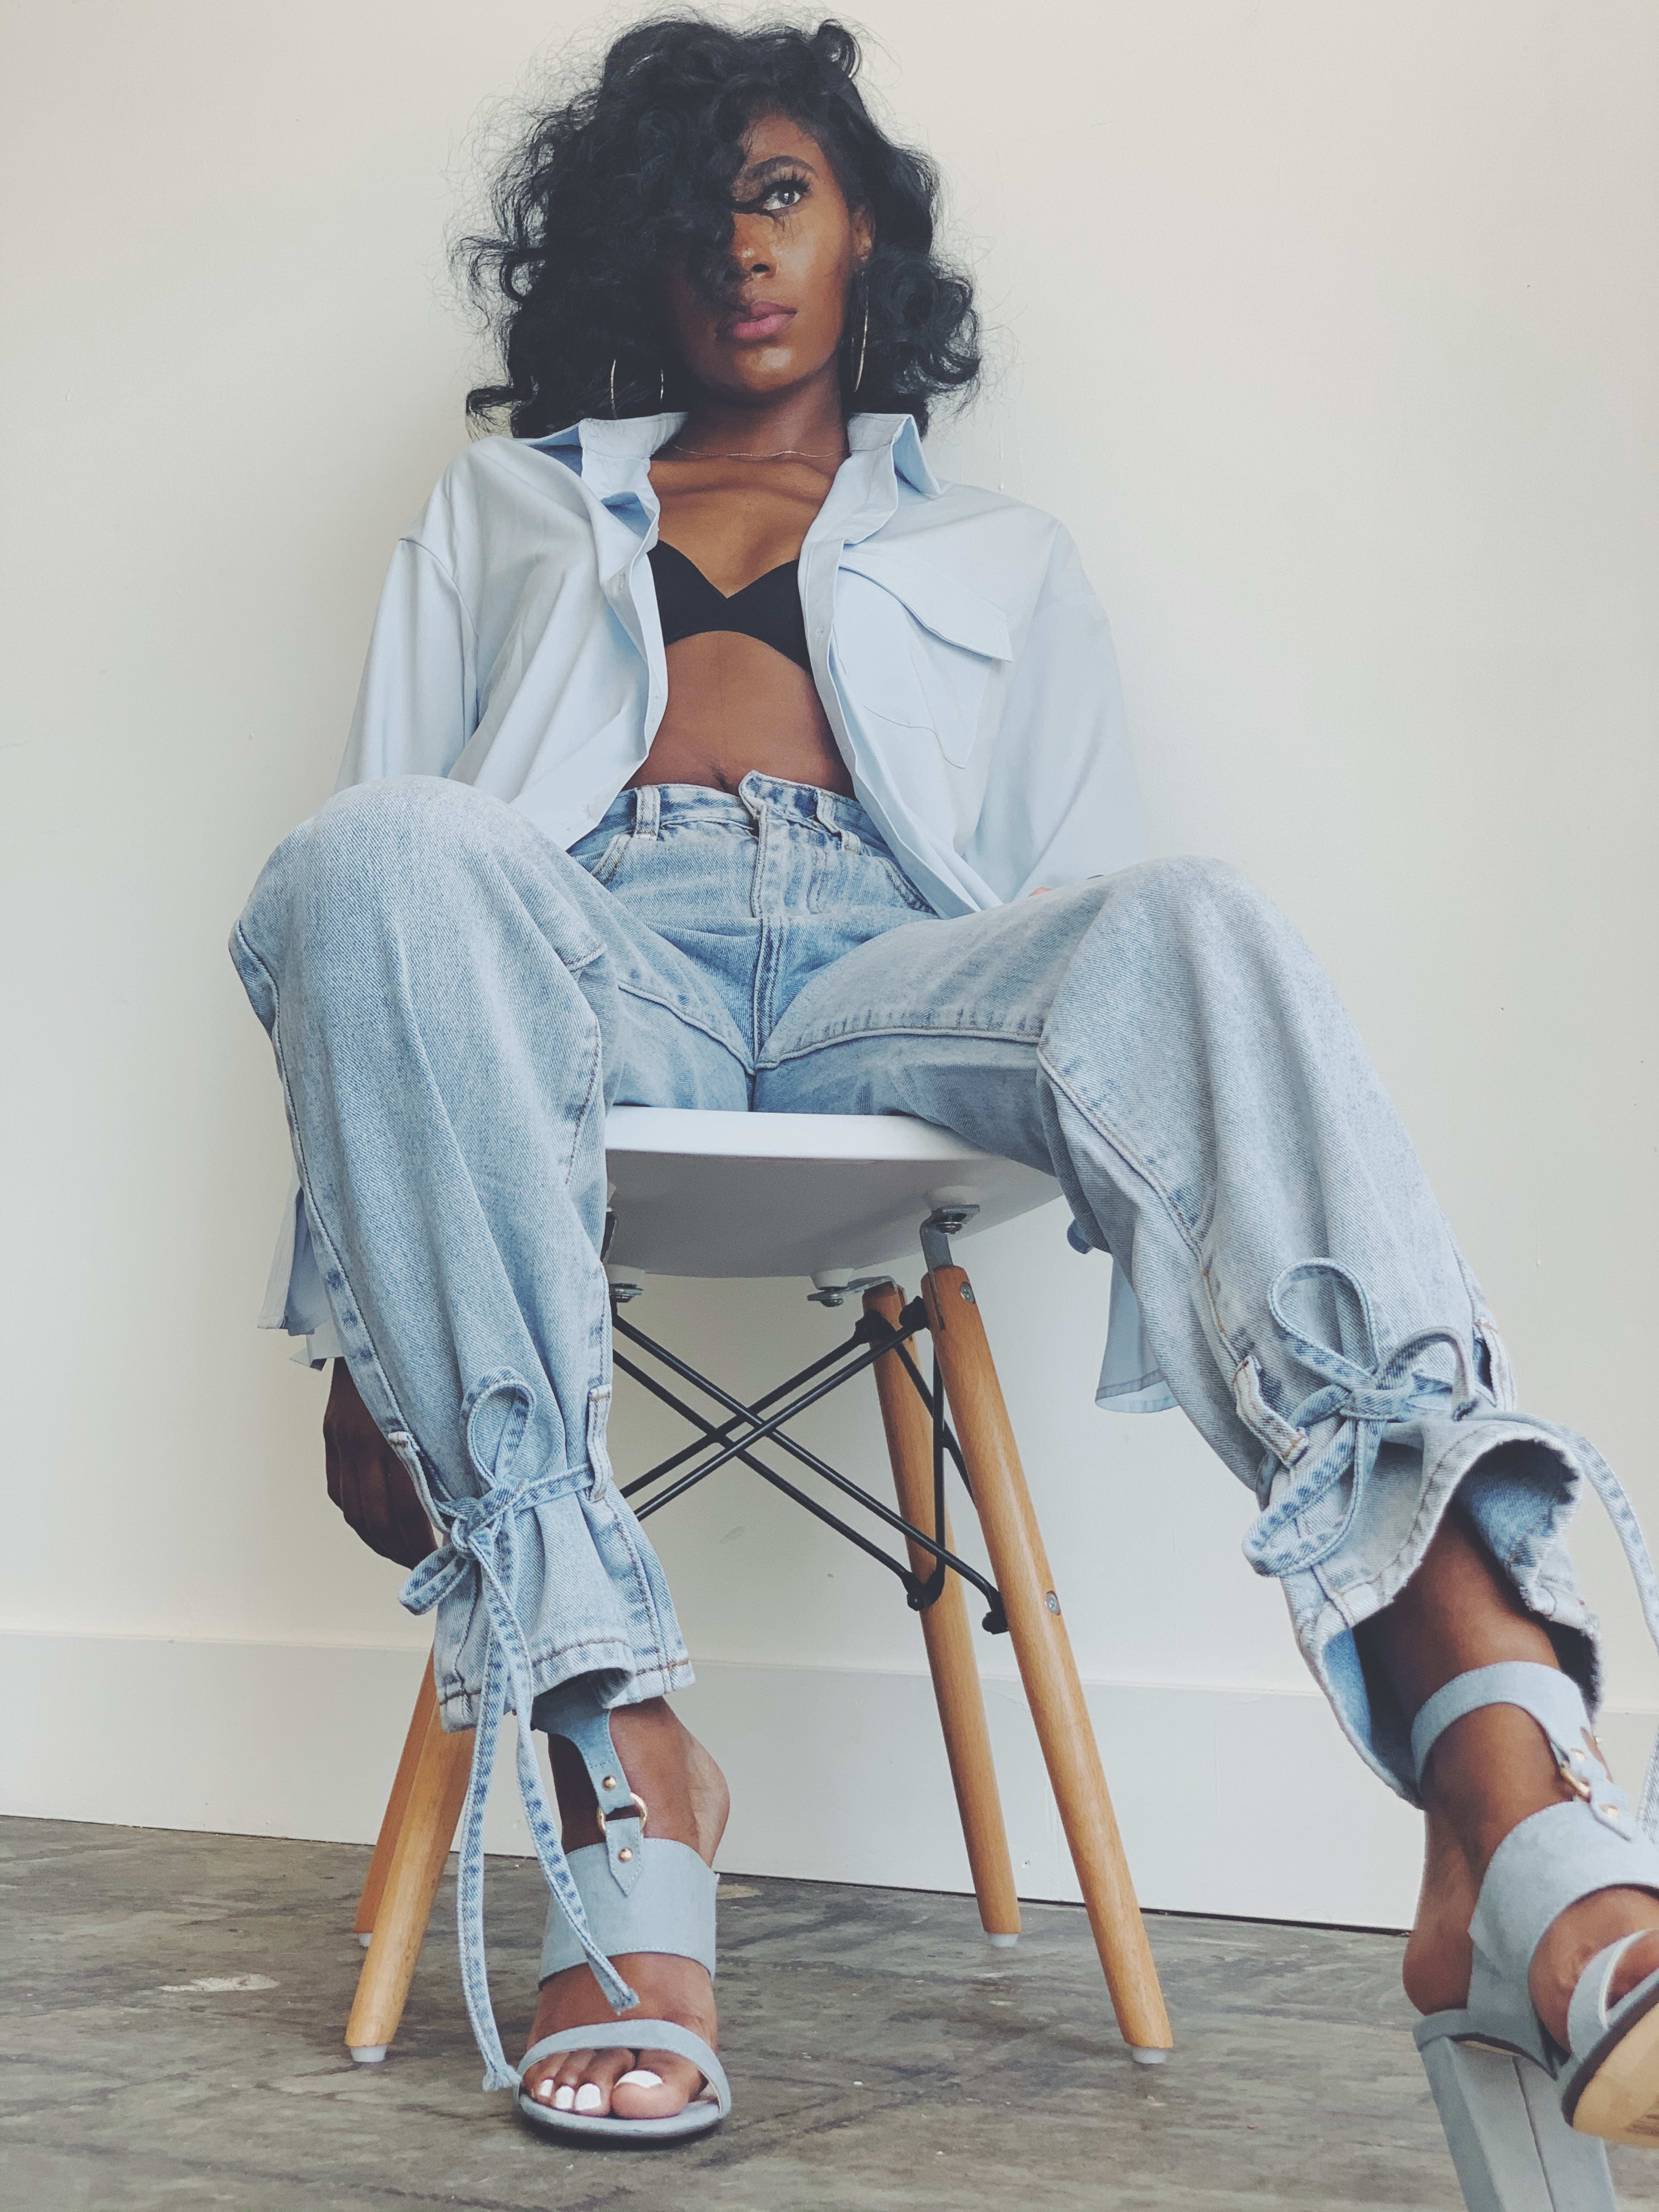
<point>652,807</point>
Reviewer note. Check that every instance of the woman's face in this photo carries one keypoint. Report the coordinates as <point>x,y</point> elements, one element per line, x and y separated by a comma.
<point>795,247</point>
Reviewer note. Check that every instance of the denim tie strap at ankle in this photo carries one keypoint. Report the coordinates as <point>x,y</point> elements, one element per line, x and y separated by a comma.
<point>1391,1394</point>
<point>480,1548</point>
<point>1366,1402</point>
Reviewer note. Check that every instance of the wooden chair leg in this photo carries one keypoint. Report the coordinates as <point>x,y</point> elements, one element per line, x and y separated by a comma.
<point>437,1789</point>
<point>950,1640</point>
<point>1046,1664</point>
<point>426,1704</point>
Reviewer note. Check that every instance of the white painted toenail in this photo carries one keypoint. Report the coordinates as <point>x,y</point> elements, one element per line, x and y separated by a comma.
<point>638,2077</point>
<point>588,2098</point>
<point>545,2090</point>
<point>565,2098</point>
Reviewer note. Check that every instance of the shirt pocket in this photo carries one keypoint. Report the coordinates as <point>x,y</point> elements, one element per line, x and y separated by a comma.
<point>913,647</point>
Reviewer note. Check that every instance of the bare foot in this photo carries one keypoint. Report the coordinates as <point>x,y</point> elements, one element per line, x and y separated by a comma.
<point>1465,1827</point>
<point>667,1766</point>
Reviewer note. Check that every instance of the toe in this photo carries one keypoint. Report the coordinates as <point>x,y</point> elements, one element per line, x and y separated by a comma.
<point>554,2081</point>
<point>1637,1963</point>
<point>658,2083</point>
<point>598,2077</point>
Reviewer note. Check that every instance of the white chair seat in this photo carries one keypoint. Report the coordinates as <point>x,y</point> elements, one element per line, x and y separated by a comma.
<point>829,1195</point>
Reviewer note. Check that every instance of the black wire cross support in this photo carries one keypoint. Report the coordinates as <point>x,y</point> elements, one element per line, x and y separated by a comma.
<point>745,1426</point>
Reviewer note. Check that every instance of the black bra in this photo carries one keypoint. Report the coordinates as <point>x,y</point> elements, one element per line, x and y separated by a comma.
<point>768,610</point>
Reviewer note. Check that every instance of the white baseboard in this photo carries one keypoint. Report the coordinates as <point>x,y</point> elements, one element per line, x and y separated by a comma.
<point>1230,1801</point>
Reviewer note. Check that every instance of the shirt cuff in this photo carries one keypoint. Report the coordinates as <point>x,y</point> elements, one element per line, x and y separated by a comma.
<point>1130,1379</point>
<point>296,1300</point>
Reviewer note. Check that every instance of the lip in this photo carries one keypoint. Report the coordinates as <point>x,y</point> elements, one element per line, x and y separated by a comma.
<point>756,321</point>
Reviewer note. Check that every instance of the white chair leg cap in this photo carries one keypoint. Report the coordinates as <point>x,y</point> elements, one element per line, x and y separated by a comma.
<point>367,1940</point>
<point>1144,2057</point>
<point>1001,1942</point>
<point>367,2054</point>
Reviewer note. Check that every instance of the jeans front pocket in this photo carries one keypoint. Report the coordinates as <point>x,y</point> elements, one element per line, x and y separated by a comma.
<point>600,853</point>
<point>902,884</point>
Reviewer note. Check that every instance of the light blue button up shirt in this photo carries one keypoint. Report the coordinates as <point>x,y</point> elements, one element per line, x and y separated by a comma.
<point>964,666</point>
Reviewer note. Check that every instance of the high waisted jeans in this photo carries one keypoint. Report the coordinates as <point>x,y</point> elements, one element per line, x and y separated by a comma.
<point>454,1003</point>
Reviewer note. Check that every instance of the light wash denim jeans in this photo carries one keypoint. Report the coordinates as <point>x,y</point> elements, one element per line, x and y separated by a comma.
<point>454,1003</point>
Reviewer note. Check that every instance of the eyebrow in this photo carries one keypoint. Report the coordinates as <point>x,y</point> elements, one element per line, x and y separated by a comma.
<point>757,172</point>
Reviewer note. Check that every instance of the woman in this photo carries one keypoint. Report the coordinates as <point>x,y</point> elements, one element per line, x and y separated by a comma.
<point>711,753</point>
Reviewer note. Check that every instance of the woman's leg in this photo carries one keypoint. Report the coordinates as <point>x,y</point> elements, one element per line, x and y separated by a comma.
<point>452,1001</point>
<point>687,1794</point>
<point>1489,1772</point>
<point>1164,1043</point>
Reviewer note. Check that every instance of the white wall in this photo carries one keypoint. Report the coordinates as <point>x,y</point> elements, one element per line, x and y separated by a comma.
<point>1331,332</point>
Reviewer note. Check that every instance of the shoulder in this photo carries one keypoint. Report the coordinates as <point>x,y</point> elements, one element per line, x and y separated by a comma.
<point>1002,547</point>
<point>967,520</point>
<point>497,499</point>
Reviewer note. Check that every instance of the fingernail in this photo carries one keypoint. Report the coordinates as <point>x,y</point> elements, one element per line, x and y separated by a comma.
<point>565,2098</point>
<point>588,2098</point>
<point>639,2077</point>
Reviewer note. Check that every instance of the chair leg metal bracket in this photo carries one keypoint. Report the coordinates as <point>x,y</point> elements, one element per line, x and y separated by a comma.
<point>749,1425</point>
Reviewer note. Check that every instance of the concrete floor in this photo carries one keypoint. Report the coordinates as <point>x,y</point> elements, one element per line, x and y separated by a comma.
<point>884,2058</point>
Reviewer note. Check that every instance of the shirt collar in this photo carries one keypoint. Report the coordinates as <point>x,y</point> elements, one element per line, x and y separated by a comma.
<point>611,457</point>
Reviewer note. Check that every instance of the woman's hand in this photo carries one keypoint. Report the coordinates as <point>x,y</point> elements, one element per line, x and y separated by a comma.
<point>367,1480</point>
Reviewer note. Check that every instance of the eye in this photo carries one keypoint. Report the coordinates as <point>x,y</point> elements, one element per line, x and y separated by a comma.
<point>780,197</point>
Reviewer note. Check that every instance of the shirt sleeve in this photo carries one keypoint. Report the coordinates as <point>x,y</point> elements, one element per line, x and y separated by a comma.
<point>416,708</point>
<point>296,1300</point>
<point>419,702</point>
<point>1060,803</point>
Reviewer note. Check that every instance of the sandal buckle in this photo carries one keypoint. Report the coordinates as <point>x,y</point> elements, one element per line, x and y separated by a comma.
<point>640,1811</point>
<point>1579,1784</point>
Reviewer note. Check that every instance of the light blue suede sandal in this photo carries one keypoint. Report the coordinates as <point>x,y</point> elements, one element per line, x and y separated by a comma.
<point>1521,2116</point>
<point>638,1893</point>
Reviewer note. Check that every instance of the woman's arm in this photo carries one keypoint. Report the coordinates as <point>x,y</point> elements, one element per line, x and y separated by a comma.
<point>1060,803</point>
<point>417,707</point>
<point>367,1480</point>
<point>417,704</point>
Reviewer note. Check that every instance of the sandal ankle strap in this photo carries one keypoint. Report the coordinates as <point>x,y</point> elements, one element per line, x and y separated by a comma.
<point>572,1711</point>
<point>1556,1703</point>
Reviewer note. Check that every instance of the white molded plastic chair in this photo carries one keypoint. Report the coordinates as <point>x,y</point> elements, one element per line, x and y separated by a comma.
<point>837,1199</point>
<point>829,1195</point>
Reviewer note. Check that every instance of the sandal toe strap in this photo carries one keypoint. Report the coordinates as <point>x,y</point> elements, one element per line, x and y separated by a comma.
<point>638,2035</point>
<point>1588,2016</point>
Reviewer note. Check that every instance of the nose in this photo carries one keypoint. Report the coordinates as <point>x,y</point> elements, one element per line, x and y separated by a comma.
<point>750,247</point>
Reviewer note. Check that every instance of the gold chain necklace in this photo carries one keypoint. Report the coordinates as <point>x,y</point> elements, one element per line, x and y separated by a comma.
<point>784,454</point>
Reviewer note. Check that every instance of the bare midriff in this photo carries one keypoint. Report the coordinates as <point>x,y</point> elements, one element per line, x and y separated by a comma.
<point>734,704</point>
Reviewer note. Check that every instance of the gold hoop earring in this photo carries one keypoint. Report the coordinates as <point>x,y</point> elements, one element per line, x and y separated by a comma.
<point>662,387</point>
<point>864,340</point>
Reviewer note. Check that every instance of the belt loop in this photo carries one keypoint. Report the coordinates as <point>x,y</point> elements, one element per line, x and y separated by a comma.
<point>647,808</point>
<point>829,806</point>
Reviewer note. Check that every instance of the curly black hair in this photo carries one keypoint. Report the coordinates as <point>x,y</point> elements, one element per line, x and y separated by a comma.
<point>635,170</point>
